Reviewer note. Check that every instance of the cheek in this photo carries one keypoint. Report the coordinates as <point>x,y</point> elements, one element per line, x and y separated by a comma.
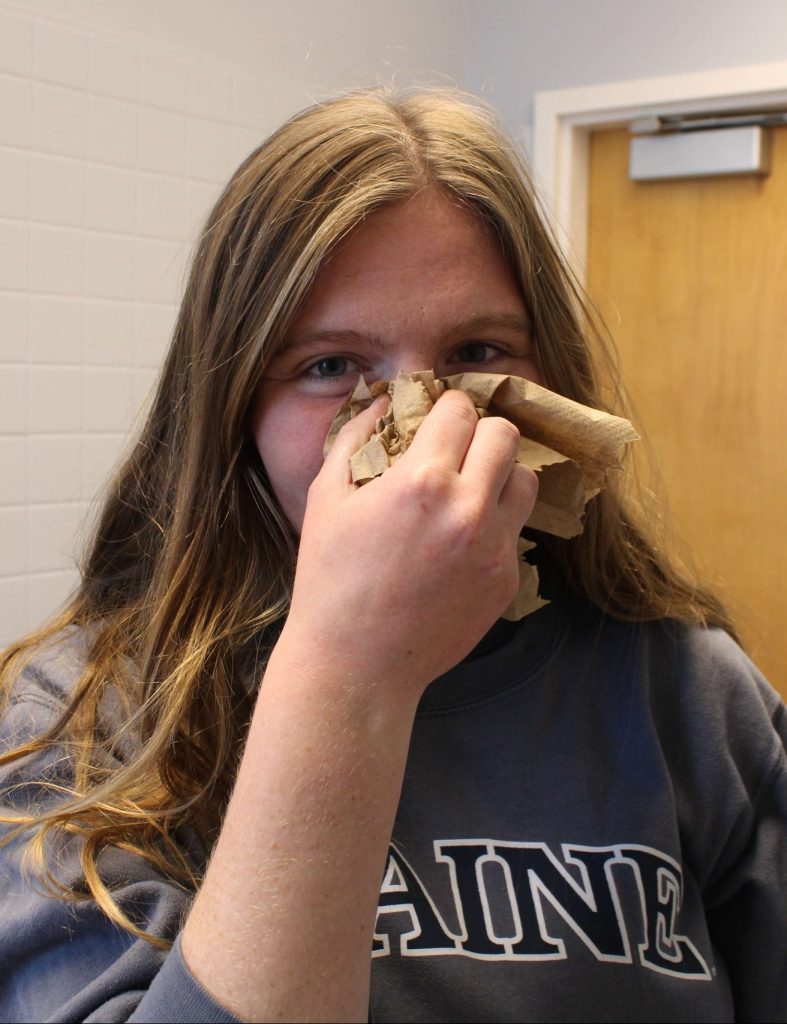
<point>289,435</point>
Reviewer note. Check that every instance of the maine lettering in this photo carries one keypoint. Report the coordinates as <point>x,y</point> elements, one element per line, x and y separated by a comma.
<point>580,886</point>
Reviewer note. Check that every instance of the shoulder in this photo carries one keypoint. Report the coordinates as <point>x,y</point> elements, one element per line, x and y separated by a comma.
<point>722,729</point>
<point>689,670</point>
<point>705,693</point>
<point>678,667</point>
<point>41,691</point>
<point>710,681</point>
<point>690,698</point>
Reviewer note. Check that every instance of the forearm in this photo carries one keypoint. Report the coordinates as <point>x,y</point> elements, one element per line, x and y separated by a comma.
<point>282,927</point>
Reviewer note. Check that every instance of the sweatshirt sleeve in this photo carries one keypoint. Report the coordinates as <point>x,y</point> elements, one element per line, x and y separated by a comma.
<point>63,961</point>
<point>66,961</point>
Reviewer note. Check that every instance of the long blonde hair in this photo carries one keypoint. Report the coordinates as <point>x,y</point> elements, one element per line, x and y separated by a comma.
<point>191,565</point>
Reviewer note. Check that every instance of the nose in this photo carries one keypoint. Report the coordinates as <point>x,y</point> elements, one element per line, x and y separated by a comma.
<point>409,360</point>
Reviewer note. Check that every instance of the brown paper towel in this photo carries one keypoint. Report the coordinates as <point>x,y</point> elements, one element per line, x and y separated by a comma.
<point>570,446</point>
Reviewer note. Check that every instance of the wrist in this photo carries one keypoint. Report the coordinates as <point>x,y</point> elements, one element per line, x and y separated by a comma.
<point>334,673</point>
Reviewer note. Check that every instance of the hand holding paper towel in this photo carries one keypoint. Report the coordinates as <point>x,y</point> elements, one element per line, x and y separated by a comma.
<point>570,446</point>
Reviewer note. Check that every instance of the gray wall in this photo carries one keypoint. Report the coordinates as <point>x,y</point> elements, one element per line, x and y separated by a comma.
<point>313,45</point>
<point>516,48</point>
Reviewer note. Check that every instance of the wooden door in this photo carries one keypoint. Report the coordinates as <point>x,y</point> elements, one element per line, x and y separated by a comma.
<point>691,279</point>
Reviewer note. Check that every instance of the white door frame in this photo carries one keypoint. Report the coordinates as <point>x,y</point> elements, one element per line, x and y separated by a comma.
<point>564,119</point>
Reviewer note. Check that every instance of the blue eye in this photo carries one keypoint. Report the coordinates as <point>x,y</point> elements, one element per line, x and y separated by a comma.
<point>331,366</point>
<point>473,352</point>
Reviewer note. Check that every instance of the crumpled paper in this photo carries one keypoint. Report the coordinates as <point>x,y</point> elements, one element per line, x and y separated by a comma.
<point>570,446</point>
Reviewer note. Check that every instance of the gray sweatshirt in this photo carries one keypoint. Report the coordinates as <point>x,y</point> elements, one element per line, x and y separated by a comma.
<point>593,827</point>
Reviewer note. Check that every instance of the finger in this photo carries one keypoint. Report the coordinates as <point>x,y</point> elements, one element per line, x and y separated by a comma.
<point>491,455</point>
<point>351,438</point>
<point>447,430</point>
<point>518,497</point>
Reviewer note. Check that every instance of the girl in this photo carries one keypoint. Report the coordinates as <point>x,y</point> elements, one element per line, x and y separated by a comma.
<point>217,751</point>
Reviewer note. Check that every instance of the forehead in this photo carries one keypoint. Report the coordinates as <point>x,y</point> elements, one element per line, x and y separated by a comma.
<point>428,227</point>
<point>424,254</point>
<point>402,219</point>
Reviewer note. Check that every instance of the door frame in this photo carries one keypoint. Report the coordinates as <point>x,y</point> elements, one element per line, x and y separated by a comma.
<point>564,119</point>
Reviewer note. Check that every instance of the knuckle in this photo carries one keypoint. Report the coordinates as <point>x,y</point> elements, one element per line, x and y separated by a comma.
<point>498,441</point>
<point>457,403</point>
<point>504,431</point>
<point>468,527</point>
<point>526,479</point>
<point>426,482</point>
<point>507,428</point>
<point>474,539</point>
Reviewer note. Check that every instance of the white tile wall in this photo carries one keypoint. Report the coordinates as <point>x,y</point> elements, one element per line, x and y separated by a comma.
<point>57,189</point>
<point>162,141</point>
<point>60,55</point>
<point>115,68</point>
<point>109,266</point>
<point>210,92</point>
<point>55,402</point>
<point>14,254</point>
<point>112,150</point>
<point>109,332</point>
<point>59,119</point>
<point>54,467</point>
<point>154,324</point>
<point>14,470</point>
<point>108,399</point>
<point>161,207</point>
<point>56,264</point>
<point>53,536</point>
<point>13,400</point>
<point>111,197</point>
<point>13,605</point>
<point>15,175</point>
<point>16,43</point>
<point>55,329</point>
<point>13,333</point>
<point>16,102</point>
<point>159,269</point>
<point>112,131</point>
<point>99,454</point>
<point>165,81</point>
<point>13,538</point>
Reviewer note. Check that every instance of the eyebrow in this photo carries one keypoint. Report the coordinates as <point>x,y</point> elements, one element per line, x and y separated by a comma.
<point>333,336</point>
<point>512,322</point>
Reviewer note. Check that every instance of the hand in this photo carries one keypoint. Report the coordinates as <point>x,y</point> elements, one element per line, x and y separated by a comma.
<point>399,579</point>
